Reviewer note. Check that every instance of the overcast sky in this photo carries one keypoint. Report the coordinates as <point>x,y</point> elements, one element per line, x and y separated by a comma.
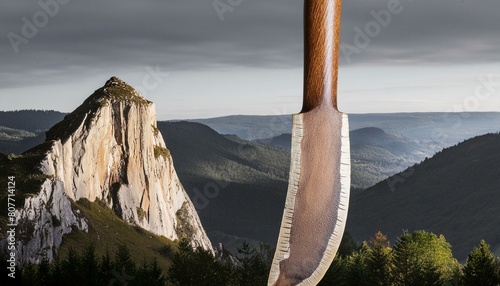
<point>198,59</point>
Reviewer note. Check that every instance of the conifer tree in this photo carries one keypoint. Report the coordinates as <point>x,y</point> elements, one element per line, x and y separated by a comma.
<point>71,268</point>
<point>90,266</point>
<point>105,268</point>
<point>55,272</point>
<point>42,276</point>
<point>379,261</point>
<point>481,267</point>
<point>124,267</point>
<point>28,274</point>
<point>357,267</point>
<point>197,267</point>
<point>254,266</point>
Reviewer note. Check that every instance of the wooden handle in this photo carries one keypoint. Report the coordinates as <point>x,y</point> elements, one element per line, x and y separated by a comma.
<point>321,45</point>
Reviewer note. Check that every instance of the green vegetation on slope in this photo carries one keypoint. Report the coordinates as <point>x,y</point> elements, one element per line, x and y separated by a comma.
<point>116,90</point>
<point>200,151</point>
<point>107,230</point>
<point>184,228</point>
<point>161,151</point>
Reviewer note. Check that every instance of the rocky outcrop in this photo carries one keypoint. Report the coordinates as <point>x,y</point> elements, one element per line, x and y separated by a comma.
<point>43,221</point>
<point>109,149</point>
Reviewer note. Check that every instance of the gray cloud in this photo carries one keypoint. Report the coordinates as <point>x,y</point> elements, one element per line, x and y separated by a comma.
<point>84,37</point>
<point>430,31</point>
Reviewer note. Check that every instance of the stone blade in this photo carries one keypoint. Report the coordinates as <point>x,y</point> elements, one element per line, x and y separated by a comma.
<point>317,200</point>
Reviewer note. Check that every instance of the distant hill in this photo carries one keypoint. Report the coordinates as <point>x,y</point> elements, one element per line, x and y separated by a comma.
<point>30,120</point>
<point>455,193</point>
<point>238,187</point>
<point>7,133</point>
<point>250,127</point>
<point>18,146</point>
<point>283,141</point>
<point>24,129</point>
<point>443,128</point>
<point>377,154</point>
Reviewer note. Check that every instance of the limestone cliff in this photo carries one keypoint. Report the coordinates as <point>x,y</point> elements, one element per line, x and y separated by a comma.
<point>109,149</point>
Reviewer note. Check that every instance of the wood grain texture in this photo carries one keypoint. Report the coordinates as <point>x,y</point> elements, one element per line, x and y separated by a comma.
<point>321,45</point>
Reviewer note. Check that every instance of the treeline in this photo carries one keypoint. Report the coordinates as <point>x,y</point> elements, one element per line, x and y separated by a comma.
<point>419,258</point>
<point>188,267</point>
<point>88,269</point>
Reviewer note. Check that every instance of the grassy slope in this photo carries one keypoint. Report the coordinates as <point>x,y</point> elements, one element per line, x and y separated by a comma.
<point>454,193</point>
<point>107,231</point>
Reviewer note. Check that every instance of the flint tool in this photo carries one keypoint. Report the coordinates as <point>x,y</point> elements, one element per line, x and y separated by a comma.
<point>319,182</point>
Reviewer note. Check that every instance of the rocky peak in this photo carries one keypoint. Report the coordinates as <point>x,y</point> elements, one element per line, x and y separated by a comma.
<point>114,81</point>
<point>110,150</point>
<point>115,91</point>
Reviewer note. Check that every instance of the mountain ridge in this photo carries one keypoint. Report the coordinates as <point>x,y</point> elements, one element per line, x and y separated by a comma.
<point>237,186</point>
<point>454,190</point>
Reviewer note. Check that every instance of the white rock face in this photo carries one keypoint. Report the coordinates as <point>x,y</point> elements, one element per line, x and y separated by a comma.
<point>45,218</point>
<point>109,149</point>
